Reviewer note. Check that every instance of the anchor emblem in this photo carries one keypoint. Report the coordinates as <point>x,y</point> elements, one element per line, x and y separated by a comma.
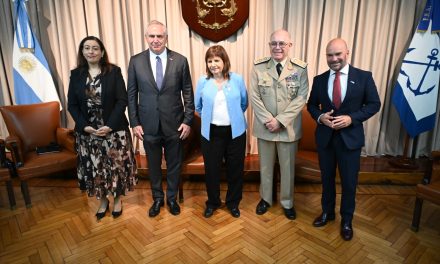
<point>433,62</point>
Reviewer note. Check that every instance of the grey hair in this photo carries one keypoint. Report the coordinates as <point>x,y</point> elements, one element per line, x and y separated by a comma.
<point>156,22</point>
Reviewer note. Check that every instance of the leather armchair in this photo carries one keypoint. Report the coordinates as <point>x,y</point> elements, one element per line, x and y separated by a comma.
<point>428,190</point>
<point>6,170</point>
<point>32,126</point>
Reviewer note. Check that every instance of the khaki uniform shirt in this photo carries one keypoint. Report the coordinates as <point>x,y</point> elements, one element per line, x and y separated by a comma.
<point>282,97</point>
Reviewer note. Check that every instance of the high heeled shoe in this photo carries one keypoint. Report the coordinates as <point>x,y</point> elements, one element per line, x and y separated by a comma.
<point>117,214</point>
<point>100,215</point>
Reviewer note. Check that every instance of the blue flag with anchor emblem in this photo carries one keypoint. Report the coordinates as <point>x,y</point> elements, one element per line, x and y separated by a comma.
<point>416,91</point>
<point>33,82</point>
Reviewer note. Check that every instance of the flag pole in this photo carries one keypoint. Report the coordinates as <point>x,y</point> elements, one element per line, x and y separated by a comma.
<point>404,162</point>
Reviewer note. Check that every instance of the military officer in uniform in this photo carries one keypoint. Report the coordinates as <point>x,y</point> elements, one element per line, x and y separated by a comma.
<point>279,89</point>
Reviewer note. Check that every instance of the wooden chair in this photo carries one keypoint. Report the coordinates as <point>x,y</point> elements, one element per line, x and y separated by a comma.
<point>32,126</point>
<point>428,190</point>
<point>6,170</point>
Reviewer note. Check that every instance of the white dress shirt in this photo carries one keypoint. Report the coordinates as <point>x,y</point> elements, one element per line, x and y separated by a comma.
<point>153,60</point>
<point>343,78</point>
<point>220,116</point>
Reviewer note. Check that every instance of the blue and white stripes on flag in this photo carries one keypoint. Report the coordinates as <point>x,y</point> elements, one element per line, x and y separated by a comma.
<point>33,82</point>
<point>416,91</point>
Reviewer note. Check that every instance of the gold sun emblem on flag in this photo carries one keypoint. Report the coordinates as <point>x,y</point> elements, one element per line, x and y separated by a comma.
<point>27,63</point>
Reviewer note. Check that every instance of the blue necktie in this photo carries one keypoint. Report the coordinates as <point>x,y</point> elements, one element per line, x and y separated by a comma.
<point>159,72</point>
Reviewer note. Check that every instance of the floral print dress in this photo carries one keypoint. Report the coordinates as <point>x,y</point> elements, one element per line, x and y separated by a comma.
<point>106,165</point>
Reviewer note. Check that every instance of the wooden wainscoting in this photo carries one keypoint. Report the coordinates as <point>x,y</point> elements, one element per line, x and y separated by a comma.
<point>373,170</point>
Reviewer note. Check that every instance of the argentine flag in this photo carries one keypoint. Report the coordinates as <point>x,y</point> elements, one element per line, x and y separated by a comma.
<point>33,82</point>
<point>416,91</point>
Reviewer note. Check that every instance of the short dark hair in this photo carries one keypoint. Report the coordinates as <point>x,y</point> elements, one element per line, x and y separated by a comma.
<point>218,51</point>
<point>103,62</point>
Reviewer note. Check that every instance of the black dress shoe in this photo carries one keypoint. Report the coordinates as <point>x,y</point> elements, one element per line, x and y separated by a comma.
<point>209,211</point>
<point>155,208</point>
<point>100,215</point>
<point>235,212</point>
<point>290,213</point>
<point>262,207</point>
<point>174,207</point>
<point>346,231</point>
<point>117,214</point>
<point>323,219</point>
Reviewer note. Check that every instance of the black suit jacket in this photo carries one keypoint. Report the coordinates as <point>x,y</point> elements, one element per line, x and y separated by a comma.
<point>360,103</point>
<point>147,105</point>
<point>114,99</point>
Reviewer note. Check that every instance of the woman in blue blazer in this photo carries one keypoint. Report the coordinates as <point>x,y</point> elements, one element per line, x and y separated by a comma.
<point>97,100</point>
<point>221,100</point>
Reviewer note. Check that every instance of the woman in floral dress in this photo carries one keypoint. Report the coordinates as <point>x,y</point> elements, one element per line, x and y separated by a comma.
<point>97,100</point>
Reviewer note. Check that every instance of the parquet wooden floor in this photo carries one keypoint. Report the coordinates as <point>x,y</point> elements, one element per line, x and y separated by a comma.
<point>61,228</point>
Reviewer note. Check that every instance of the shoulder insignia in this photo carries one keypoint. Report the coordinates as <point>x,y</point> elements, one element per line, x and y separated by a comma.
<point>258,61</point>
<point>299,62</point>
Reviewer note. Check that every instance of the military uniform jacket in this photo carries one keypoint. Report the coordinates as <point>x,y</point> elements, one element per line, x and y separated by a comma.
<point>282,97</point>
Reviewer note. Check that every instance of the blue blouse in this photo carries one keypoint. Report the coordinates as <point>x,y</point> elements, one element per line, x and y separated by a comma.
<point>236,100</point>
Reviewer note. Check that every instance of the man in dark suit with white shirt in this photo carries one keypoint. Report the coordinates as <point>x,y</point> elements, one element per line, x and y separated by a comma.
<point>161,110</point>
<point>341,99</point>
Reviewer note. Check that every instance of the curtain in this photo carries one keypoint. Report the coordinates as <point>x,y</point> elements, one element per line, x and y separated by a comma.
<point>377,33</point>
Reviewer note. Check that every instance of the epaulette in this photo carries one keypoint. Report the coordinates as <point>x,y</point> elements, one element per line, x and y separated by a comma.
<point>265,59</point>
<point>299,62</point>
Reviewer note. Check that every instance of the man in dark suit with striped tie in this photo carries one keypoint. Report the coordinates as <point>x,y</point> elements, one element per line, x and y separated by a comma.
<point>341,99</point>
<point>161,110</point>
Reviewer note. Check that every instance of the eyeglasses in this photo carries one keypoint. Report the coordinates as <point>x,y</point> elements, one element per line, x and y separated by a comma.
<point>281,44</point>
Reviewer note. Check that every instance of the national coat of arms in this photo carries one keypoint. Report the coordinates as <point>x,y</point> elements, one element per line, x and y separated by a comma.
<point>215,20</point>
